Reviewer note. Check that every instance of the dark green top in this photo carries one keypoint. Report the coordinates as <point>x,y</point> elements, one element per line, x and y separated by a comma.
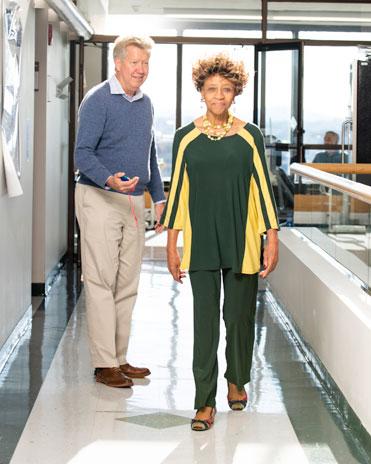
<point>212,199</point>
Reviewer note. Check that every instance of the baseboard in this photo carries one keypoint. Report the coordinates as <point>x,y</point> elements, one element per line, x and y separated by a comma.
<point>38,289</point>
<point>43,288</point>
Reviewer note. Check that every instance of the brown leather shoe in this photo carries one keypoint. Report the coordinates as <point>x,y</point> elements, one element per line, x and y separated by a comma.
<point>112,377</point>
<point>134,372</point>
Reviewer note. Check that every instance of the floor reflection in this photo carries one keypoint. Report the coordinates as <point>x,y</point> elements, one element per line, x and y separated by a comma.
<point>173,347</point>
<point>26,369</point>
<point>289,419</point>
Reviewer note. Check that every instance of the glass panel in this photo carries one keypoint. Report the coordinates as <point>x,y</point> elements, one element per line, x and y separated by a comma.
<point>161,88</point>
<point>279,34</point>
<point>327,100</point>
<point>246,34</point>
<point>339,224</point>
<point>191,100</point>
<point>277,117</point>
<point>335,35</point>
<point>314,17</point>
<point>324,155</point>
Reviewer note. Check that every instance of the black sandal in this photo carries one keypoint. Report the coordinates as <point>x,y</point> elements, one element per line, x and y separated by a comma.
<point>237,405</point>
<point>200,425</point>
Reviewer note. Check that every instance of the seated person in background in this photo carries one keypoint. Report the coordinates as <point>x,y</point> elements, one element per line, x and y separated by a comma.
<point>330,156</point>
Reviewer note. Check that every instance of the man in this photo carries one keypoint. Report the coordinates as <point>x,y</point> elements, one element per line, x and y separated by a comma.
<point>330,156</point>
<point>116,157</point>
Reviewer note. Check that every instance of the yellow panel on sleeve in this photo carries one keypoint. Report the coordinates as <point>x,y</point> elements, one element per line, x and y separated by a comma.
<point>251,259</point>
<point>180,214</point>
<point>268,202</point>
<point>186,223</point>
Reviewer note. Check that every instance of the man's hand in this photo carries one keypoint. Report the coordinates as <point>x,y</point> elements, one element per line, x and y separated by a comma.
<point>270,256</point>
<point>124,186</point>
<point>159,208</point>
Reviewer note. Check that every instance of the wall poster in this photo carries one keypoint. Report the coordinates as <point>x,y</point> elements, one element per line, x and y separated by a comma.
<point>12,43</point>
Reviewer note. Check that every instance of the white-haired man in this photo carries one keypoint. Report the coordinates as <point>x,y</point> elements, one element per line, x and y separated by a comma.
<point>116,157</point>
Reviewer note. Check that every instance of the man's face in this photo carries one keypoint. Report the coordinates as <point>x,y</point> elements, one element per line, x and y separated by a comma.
<point>132,71</point>
<point>330,139</point>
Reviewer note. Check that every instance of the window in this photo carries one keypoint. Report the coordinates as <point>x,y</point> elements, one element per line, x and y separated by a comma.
<point>161,87</point>
<point>327,91</point>
<point>221,33</point>
<point>191,99</point>
<point>319,16</point>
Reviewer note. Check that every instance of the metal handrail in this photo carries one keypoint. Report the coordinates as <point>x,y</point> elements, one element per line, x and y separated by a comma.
<point>354,189</point>
<point>347,124</point>
<point>342,168</point>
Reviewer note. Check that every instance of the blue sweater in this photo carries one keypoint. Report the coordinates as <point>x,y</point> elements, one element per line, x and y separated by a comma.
<point>116,135</point>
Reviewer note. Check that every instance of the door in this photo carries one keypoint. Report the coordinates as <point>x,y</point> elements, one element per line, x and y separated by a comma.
<point>278,112</point>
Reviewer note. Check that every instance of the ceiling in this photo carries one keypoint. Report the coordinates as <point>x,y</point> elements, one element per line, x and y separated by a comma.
<point>219,6</point>
<point>101,13</point>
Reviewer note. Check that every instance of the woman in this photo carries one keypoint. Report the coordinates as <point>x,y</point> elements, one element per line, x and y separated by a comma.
<point>222,200</point>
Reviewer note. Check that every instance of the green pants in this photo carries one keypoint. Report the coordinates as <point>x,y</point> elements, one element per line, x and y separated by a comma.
<point>239,308</point>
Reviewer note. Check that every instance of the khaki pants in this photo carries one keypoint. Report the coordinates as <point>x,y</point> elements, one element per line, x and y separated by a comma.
<point>111,252</point>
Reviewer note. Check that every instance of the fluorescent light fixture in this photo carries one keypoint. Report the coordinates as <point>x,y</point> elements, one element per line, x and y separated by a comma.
<point>336,19</point>
<point>214,16</point>
<point>68,12</point>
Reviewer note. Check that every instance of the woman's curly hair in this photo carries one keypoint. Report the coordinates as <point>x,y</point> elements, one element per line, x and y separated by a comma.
<point>223,65</point>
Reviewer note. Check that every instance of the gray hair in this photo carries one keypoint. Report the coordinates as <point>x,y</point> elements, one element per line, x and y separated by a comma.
<point>121,44</point>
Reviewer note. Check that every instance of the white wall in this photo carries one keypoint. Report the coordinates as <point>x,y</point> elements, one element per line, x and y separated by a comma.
<point>16,213</point>
<point>51,151</point>
<point>38,231</point>
<point>332,314</point>
<point>56,152</point>
<point>31,247</point>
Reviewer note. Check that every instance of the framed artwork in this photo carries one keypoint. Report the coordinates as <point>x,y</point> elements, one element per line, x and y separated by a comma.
<point>11,54</point>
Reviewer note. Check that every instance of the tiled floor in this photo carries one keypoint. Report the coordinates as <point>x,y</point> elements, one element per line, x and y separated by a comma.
<point>74,420</point>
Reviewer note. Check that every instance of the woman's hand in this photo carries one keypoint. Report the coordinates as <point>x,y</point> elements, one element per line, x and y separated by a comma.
<point>270,256</point>
<point>173,264</point>
<point>173,258</point>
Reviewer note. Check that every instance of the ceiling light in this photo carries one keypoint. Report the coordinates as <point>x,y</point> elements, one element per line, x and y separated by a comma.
<point>336,19</point>
<point>221,17</point>
<point>68,12</point>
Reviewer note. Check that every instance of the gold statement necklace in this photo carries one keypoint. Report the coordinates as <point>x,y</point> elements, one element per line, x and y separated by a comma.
<point>217,131</point>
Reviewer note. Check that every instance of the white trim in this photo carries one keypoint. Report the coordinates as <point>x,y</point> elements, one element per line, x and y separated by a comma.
<point>14,338</point>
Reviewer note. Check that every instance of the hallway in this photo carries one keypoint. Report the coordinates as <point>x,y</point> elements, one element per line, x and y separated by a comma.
<point>289,418</point>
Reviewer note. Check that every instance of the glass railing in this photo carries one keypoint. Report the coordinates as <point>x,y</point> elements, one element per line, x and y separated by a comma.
<point>334,212</point>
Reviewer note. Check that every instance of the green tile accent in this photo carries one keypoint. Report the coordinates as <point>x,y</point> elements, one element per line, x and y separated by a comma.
<point>157,420</point>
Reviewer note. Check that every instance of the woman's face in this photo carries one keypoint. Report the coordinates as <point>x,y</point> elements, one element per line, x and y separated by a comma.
<point>218,93</point>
